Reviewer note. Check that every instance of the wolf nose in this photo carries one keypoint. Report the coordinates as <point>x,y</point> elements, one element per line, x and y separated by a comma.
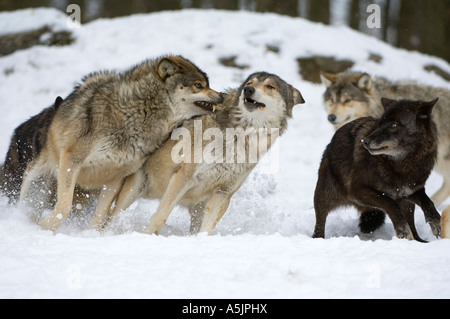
<point>332,118</point>
<point>365,142</point>
<point>249,91</point>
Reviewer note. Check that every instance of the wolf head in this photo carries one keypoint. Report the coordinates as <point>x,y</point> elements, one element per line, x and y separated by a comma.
<point>405,127</point>
<point>187,86</point>
<point>349,96</point>
<point>265,99</point>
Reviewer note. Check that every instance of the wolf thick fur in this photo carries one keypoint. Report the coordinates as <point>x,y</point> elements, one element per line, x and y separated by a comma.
<point>263,101</point>
<point>108,126</point>
<point>381,165</point>
<point>27,142</point>
<point>349,96</point>
<point>445,223</point>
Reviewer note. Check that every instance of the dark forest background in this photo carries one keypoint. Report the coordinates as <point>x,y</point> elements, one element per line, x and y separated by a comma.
<point>422,25</point>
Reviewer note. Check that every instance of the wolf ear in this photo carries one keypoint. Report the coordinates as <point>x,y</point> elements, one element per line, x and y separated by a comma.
<point>426,109</point>
<point>364,82</point>
<point>298,98</point>
<point>58,102</point>
<point>166,68</point>
<point>387,103</point>
<point>327,79</point>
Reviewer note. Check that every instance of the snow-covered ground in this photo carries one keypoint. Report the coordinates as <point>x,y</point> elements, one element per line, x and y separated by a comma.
<point>262,248</point>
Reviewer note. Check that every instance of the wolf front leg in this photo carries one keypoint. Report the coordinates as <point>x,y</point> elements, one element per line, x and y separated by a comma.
<point>432,216</point>
<point>178,185</point>
<point>67,178</point>
<point>407,208</point>
<point>371,198</point>
<point>215,208</point>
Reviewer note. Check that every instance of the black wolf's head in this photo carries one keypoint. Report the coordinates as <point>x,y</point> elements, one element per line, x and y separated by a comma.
<point>405,127</point>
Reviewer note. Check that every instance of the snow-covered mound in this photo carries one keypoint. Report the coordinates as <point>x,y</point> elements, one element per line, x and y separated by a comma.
<point>262,247</point>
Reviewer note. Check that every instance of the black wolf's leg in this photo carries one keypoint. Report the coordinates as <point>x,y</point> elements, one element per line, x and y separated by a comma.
<point>407,208</point>
<point>369,197</point>
<point>431,214</point>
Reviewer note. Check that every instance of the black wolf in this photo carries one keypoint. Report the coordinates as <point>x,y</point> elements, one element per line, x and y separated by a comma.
<point>26,143</point>
<point>381,166</point>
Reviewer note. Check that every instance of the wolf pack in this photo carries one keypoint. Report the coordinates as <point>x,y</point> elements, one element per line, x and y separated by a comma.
<point>111,142</point>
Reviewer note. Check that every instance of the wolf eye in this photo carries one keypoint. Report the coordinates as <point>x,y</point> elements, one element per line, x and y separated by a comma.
<point>270,87</point>
<point>394,125</point>
<point>198,85</point>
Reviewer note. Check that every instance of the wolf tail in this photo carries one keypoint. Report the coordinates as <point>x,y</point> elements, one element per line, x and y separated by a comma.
<point>371,220</point>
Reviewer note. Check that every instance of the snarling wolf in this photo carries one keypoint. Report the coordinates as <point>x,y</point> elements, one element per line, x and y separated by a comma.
<point>381,165</point>
<point>27,142</point>
<point>109,125</point>
<point>262,102</point>
<point>349,96</point>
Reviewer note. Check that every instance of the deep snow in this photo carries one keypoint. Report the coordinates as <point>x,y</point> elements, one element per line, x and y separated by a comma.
<point>262,248</point>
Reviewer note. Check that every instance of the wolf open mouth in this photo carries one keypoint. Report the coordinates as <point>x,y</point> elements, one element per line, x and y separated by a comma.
<point>208,106</point>
<point>252,104</point>
<point>376,151</point>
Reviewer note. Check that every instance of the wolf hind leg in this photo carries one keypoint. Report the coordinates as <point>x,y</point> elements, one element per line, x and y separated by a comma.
<point>215,208</point>
<point>107,196</point>
<point>328,196</point>
<point>196,212</point>
<point>133,188</point>
<point>34,188</point>
<point>31,174</point>
<point>175,191</point>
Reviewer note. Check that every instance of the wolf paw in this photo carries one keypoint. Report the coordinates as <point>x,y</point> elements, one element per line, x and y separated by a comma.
<point>404,232</point>
<point>436,228</point>
<point>49,223</point>
<point>152,229</point>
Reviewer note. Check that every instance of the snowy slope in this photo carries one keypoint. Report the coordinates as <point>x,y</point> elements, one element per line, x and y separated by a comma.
<point>262,247</point>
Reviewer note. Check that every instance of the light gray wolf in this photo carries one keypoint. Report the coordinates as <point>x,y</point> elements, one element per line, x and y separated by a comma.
<point>108,126</point>
<point>445,223</point>
<point>263,102</point>
<point>349,96</point>
<point>26,143</point>
<point>381,165</point>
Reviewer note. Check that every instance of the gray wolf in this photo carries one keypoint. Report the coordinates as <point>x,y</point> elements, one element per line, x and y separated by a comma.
<point>445,223</point>
<point>349,96</point>
<point>263,101</point>
<point>381,165</point>
<point>27,142</point>
<point>108,126</point>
